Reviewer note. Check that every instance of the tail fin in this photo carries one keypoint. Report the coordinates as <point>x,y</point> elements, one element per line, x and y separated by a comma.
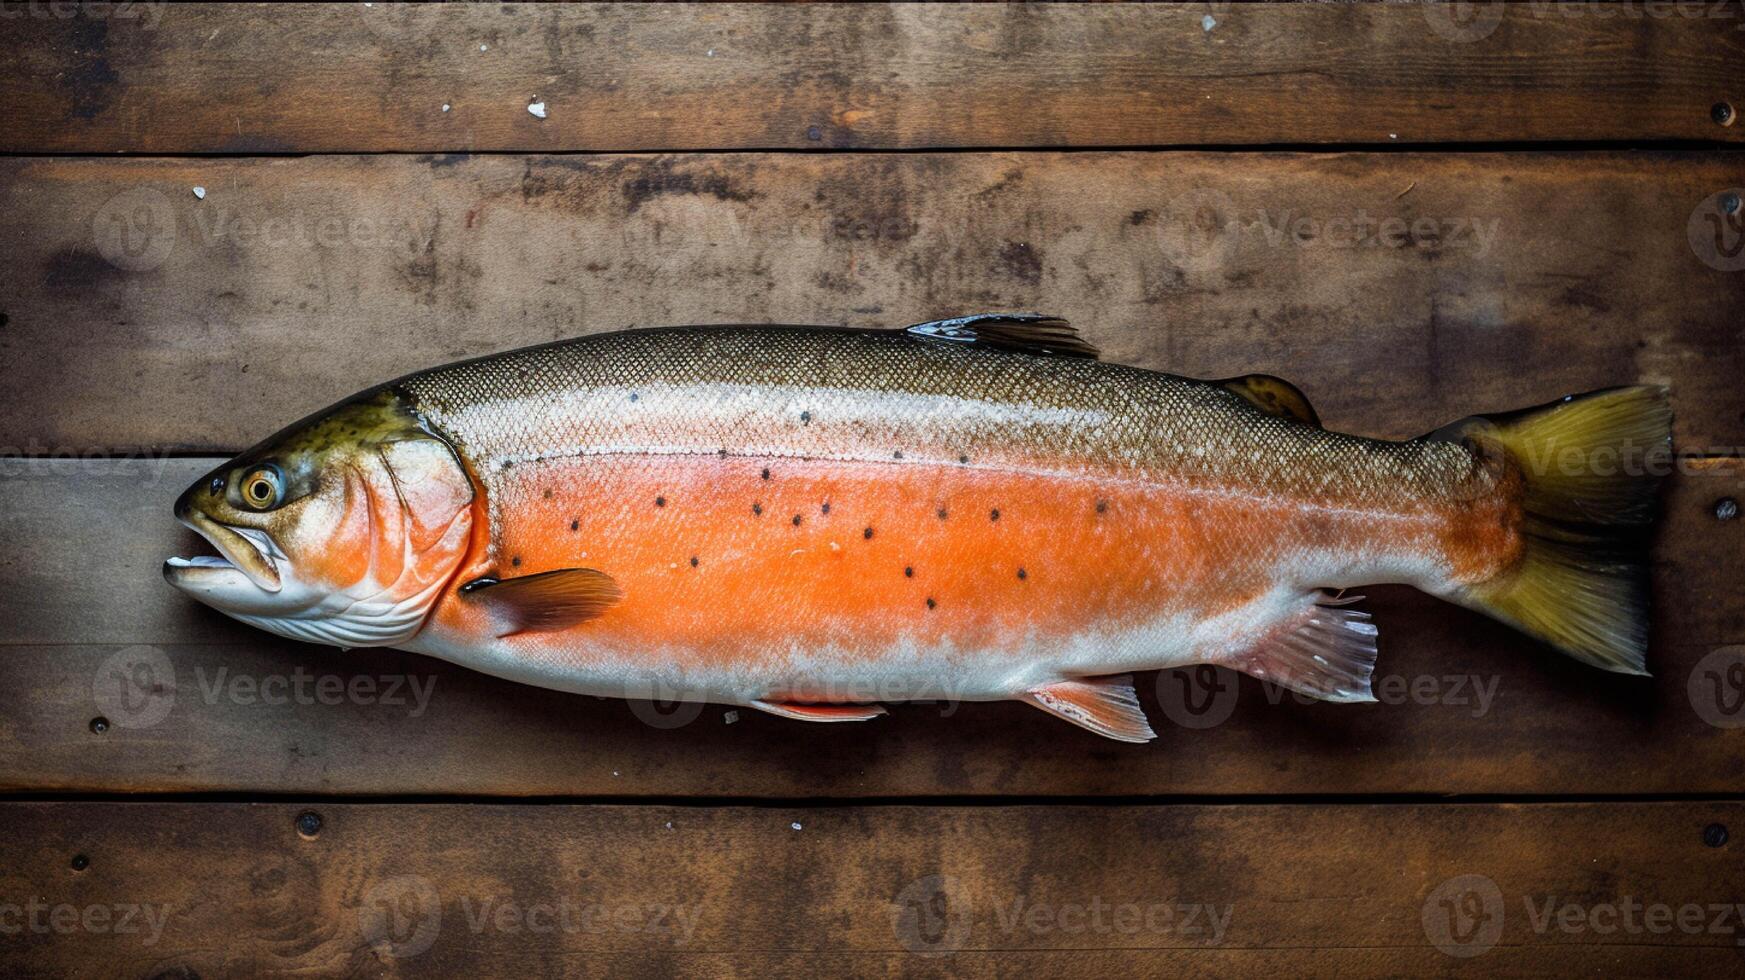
<point>1589,464</point>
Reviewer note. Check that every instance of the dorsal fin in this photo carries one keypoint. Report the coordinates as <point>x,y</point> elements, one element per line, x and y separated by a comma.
<point>1274,396</point>
<point>1023,333</point>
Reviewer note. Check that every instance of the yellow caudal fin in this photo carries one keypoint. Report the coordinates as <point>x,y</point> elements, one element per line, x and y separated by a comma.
<point>1592,466</point>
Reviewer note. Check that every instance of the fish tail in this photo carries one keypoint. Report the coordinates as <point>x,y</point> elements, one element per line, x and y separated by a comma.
<point>1587,470</point>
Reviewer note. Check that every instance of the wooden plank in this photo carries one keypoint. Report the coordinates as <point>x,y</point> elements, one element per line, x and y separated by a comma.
<point>165,78</point>
<point>1401,291</point>
<point>196,702</point>
<point>228,889</point>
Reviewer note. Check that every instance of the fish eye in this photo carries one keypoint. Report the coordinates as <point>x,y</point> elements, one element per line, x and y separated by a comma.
<point>262,488</point>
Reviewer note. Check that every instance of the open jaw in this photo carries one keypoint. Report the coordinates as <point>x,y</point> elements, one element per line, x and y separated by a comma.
<point>247,550</point>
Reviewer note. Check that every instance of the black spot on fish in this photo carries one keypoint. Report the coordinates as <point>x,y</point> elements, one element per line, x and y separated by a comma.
<point>994,515</point>
<point>931,603</point>
<point>796,520</point>
<point>766,474</point>
<point>575,525</point>
<point>660,501</point>
<point>546,494</point>
<point>633,396</point>
<point>908,572</point>
<point>897,455</point>
<point>867,534</point>
<point>1102,506</point>
<point>723,453</point>
<point>1021,575</point>
<point>757,509</point>
<point>515,562</point>
<point>693,561</point>
<point>805,418</point>
<point>825,509</point>
<point>964,460</point>
<point>943,513</point>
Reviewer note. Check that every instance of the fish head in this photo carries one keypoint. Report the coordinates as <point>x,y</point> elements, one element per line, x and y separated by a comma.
<point>343,528</point>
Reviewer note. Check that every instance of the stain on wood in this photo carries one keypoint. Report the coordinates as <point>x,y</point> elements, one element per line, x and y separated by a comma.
<point>296,78</point>
<point>198,702</point>
<point>143,317</point>
<point>220,889</point>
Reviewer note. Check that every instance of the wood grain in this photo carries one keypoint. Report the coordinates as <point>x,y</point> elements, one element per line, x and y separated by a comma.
<point>196,702</point>
<point>273,78</point>
<point>1400,291</point>
<point>565,890</point>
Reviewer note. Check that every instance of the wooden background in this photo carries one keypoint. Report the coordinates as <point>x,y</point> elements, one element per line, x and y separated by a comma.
<point>1415,212</point>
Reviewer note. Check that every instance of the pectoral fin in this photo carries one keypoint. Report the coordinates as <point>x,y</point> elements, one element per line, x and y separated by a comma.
<point>547,602</point>
<point>1105,705</point>
<point>821,712</point>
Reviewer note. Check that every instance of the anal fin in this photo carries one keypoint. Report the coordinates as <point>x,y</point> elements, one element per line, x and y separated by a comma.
<point>821,712</point>
<point>1105,705</point>
<point>1326,653</point>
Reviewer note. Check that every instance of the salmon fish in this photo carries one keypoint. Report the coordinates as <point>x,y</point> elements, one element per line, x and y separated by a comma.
<point>813,521</point>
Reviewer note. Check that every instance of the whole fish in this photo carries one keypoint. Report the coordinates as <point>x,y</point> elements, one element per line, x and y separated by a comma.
<point>811,521</point>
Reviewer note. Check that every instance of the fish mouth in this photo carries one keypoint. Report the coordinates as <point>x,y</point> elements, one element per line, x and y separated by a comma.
<point>248,550</point>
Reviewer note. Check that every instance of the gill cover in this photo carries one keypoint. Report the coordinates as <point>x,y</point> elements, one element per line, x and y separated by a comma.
<point>372,521</point>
